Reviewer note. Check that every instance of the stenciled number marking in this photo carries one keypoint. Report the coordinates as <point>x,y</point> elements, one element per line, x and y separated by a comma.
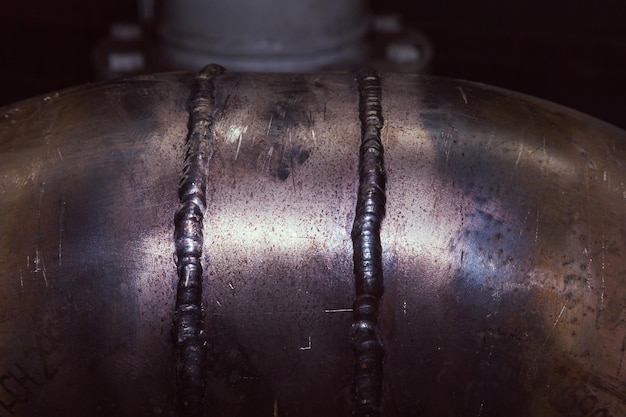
<point>19,383</point>
<point>579,401</point>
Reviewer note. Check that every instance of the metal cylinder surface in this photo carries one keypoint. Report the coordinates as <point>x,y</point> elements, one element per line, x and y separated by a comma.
<point>502,250</point>
<point>262,35</point>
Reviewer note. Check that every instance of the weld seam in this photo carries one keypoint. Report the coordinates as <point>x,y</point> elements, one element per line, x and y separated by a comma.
<point>189,337</point>
<point>368,265</point>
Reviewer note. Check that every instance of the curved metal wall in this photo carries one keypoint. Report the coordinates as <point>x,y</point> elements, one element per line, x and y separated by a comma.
<point>501,250</point>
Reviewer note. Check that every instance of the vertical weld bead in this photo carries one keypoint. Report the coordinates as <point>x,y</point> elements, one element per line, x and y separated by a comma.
<point>368,265</point>
<point>189,337</point>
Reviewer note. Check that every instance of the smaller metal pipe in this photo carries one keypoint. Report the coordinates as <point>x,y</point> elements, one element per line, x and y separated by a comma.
<point>262,35</point>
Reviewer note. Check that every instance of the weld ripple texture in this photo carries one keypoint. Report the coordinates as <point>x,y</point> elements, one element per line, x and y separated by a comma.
<point>368,270</point>
<point>189,337</point>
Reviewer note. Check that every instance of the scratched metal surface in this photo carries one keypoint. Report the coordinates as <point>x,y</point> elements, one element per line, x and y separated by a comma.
<point>502,246</point>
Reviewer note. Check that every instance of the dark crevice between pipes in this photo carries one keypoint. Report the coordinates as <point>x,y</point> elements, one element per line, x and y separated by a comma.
<point>189,337</point>
<point>368,265</point>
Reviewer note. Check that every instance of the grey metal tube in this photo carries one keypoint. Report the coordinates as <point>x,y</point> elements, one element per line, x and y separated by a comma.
<point>502,250</point>
<point>262,35</point>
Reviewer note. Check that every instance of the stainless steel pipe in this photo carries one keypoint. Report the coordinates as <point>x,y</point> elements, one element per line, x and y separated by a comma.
<point>262,35</point>
<point>502,250</point>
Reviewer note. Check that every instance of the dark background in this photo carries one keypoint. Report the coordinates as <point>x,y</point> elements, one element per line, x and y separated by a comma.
<point>569,51</point>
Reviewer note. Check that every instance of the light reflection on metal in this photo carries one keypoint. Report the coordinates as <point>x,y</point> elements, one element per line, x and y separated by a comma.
<point>503,253</point>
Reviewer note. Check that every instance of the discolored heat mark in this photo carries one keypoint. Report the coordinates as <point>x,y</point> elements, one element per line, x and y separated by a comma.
<point>294,156</point>
<point>275,157</point>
